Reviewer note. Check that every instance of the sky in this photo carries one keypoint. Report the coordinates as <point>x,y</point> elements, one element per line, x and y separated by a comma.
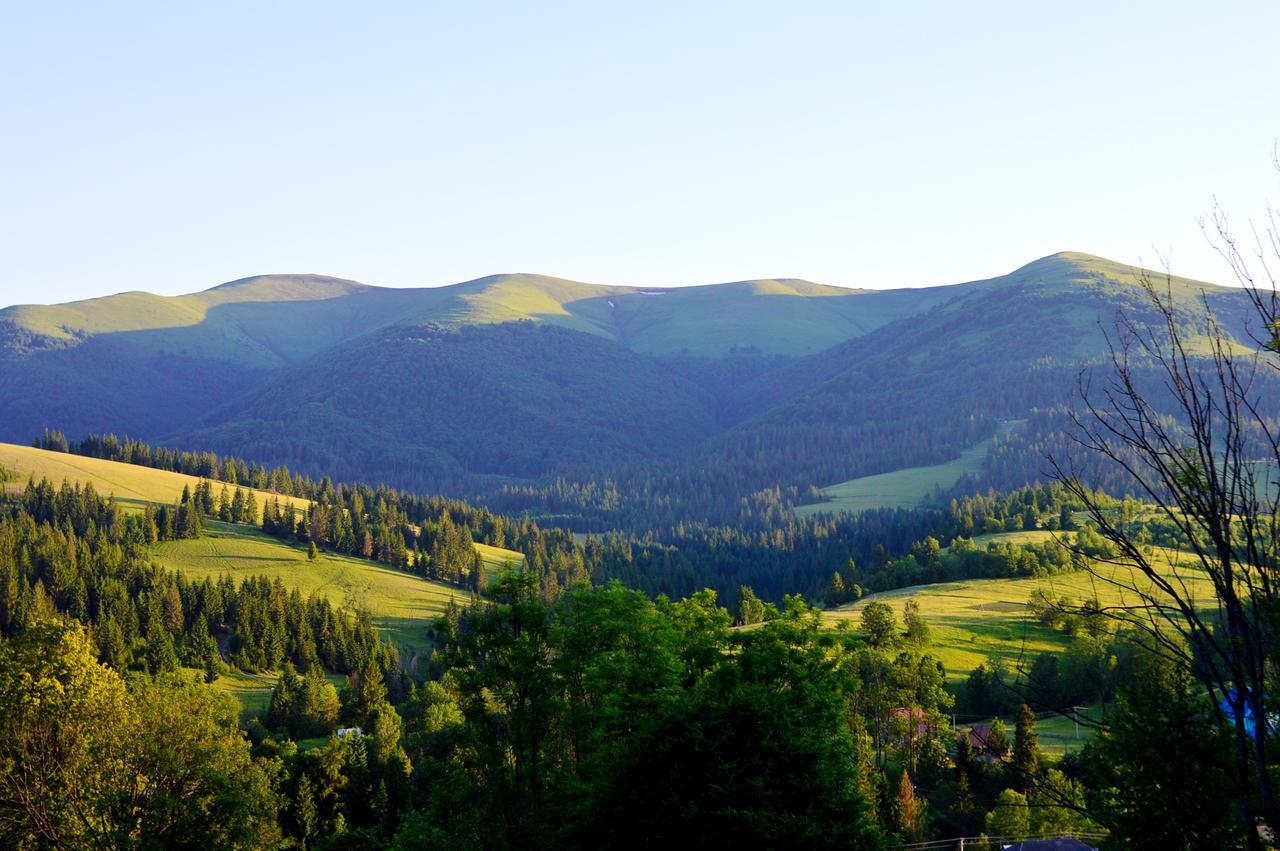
<point>170,147</point>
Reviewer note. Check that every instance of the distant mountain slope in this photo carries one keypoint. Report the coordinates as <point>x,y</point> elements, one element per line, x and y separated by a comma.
<point>448,405</point>
<point>151,366</point>
<point>271,320</point>
<point>719,390</point>
<point>999,348</point>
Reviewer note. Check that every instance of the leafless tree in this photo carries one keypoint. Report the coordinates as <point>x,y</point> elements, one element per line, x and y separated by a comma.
<point>1187,408</point>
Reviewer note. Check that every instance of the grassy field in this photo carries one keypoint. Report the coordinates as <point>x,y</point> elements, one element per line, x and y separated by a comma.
<point>496,557</point>
<point>904,488</point>
<point>976,619</point>
<point>401,604</point>
<point>131,485</point>
<point>252,691</point>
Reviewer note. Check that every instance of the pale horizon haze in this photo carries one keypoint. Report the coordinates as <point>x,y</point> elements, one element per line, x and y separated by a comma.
<point>173,147</point>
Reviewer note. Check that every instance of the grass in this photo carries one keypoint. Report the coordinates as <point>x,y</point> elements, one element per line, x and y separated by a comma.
<point>134,486</point>
<point>976,619</point>
<point>252,691</point>
<point>399,603</point>
<point>130,484</point>
<point>905,488</point>
<point>496,558</point>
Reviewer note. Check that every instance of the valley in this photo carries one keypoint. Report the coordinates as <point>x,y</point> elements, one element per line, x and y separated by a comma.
<point>644,523</point>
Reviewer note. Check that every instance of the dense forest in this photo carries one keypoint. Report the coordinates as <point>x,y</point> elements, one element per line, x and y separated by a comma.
<point>775,553</point>
<point>544,727</point>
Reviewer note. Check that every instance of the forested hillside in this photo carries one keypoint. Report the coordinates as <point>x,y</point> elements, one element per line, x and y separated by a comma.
<point>596,407</point>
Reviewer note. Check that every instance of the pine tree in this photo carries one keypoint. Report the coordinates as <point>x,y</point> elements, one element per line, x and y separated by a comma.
<point>250,508</point>
<point>312,552</point>
<point>835,591</point>
<point>1026,750</point>
<point>750,609</point>
<point>909,809</point>
<point>282,712</point>
<point>305,813</point>
<point>211,666</point>
<point>161,657</point>
<point>172,610</point>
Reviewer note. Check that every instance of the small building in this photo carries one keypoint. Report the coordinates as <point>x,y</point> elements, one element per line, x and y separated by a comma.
<point>1063,844</point>
<point>980,741</point>
<point>343,732</point>
<point>912,721</point>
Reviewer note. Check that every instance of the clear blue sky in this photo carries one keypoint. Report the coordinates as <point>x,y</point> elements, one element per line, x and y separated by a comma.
<point>173,146</point>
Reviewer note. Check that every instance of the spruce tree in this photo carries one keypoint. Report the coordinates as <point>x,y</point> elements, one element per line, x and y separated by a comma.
<point>224,505</point>
<point>1026,750</point>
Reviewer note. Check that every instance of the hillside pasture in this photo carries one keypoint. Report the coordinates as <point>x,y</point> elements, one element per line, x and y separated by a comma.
<point>251,691</point>
<point>132,486</point>
<point>400,605</point>
<point>904,488</point>
<point>497,558</point>
<point>977,619</point>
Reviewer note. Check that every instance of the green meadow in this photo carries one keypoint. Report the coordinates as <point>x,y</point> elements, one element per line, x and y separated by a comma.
<point>400,604</point>
<point>251,691</point>
<point>904,488</point>
<point>976,619</point>
<point>131,485</point>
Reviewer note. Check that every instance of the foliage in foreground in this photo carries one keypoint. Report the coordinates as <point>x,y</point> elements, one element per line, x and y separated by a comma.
<point>90,760</point>
<point>609,720</point>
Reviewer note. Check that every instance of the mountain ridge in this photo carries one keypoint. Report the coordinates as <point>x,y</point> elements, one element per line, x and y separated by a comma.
<point>511,378</point>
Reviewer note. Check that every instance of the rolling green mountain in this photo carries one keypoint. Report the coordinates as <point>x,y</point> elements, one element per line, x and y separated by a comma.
<point>272,320</point>
<point>705,393</point>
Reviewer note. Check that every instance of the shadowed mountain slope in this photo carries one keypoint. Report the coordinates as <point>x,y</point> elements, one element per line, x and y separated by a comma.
<point>724,389</point>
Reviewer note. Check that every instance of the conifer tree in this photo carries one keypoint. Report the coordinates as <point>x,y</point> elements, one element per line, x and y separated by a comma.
<point>1026,750</point>
<point>909,809</point>
<point>250,514</point>
<point>750,609</point>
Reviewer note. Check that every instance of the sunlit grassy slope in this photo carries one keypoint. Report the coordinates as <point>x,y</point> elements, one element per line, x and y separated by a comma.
<point>898,489</point>
<point>271,320</point>
<point>401,604</point>
<point>904,488</point>
<point>976,619</point>
<point>130,484</point>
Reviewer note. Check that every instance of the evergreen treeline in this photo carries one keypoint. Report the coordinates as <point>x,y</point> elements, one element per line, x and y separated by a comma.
<point>877,550</point>
<point>69,550</point>
<point>430,535</point>
<point>771,550</point>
